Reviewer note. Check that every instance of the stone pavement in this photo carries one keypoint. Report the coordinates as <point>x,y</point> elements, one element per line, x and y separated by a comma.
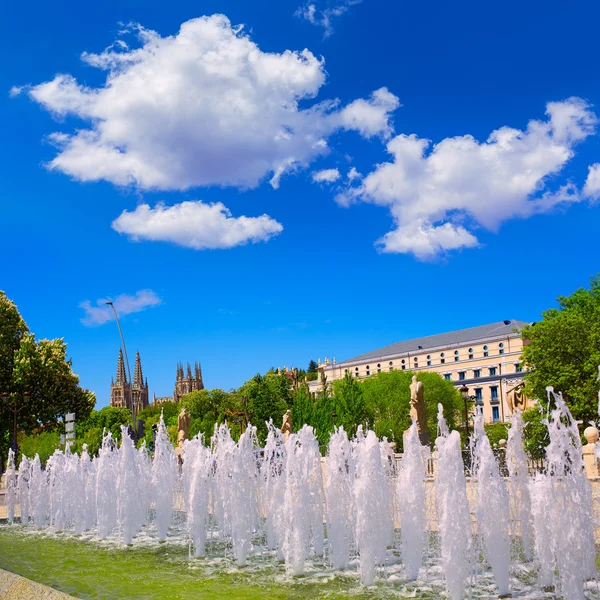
<point>15,587</point>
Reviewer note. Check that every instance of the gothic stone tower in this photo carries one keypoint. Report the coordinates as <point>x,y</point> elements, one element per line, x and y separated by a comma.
<point>120,390</point>
<point>139,389</point>
<point>123,393</point>
<point>184,384</point>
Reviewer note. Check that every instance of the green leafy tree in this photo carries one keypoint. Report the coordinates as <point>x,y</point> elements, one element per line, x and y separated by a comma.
<point>535,432</point>
<point>349,405</point>
<point>563,351</point>
<point>43,444</point>
<point>37,377</point>
<point>312,373</point>
<point>267,397</point>
<point>387,402</point>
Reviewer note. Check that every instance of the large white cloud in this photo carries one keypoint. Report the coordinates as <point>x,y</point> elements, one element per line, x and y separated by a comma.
<point>203,107</point>
<point>125,304</point>
<point>195,225</point>
<point>436,195</point>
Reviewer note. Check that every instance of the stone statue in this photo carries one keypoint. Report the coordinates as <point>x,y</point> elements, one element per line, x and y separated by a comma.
<point>515,399</point>
<point>286,426</point>
<point>417,410</point>
<point>183,427</point>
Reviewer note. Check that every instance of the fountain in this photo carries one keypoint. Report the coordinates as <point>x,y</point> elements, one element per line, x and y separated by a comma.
<point>353,513</point>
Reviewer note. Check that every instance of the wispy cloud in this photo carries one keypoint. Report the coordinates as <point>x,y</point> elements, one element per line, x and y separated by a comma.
<point>125,304</point>
<point>323,17</point>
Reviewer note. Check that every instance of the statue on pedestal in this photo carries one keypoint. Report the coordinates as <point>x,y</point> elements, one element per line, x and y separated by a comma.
<point>286,426</point>
<point>183,427</point>
<point>417,410</point>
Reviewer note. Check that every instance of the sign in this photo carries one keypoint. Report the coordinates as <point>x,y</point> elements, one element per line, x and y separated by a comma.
<point>69,426</point>
<point>69,417</point>
<point>71,436</point>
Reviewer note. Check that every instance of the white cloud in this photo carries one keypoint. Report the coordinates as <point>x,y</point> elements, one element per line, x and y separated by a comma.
<point>326,175</point>
<point>435,195</point>
<point>324,17</point>
<point>195,225</point>
<point>371,117</point>
<point>591,189</point>
<point>125,304</point>
<point>203,107</point>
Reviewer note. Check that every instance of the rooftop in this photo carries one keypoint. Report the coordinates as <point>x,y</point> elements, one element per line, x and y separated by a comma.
<point>441,340</point>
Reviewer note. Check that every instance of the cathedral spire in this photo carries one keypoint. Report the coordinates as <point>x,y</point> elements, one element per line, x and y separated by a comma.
<point>189,371</point>
<point>138,378</point>
<point>121,377</point>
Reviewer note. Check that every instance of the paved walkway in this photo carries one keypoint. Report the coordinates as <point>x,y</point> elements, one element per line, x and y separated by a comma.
<point>15,587</point>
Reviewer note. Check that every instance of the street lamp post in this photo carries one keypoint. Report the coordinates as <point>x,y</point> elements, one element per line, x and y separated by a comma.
<point>15,411</point>
<point>133,408</point>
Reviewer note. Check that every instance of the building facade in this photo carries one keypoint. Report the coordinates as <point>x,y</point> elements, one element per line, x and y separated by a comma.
<point>126,394</point>
<point>185,382</point>
<point>484,359</point>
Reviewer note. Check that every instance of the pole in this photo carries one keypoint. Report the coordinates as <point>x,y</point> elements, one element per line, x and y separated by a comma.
<point>466,419</point>
<point>133,411</point>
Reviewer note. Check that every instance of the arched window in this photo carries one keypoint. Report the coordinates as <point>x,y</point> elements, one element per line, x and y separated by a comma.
<point>470,353</point>
<point>442,359</point>
<point>429,360</point>
<point>501,346</point>
<point>456,356</point>
<point>485,351</point>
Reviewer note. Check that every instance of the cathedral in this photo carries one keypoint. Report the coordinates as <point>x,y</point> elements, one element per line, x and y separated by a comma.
<point>129,395</point>
<point>185,382</point>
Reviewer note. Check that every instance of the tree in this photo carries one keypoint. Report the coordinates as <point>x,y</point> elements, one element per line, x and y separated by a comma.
<point>387,402</point>
<point>563,351</point>
<point>349,403</point>
<point>268,397</point>
<point>40,368</point>
<point>312,373</point>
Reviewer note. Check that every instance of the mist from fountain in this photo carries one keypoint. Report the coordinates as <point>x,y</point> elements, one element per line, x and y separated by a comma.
<point>282,499</point>
<point>454,519</point>
<point>411,502</point>
<point>374,525</point>
<point>516,462</point>
<point>341,509</point>
<point>11,485</point>
<point>562,508</point>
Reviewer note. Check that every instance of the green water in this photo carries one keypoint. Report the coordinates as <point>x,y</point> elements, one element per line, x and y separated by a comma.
<point>93,570</point>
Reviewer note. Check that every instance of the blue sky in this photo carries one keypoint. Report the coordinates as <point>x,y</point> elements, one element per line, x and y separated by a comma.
<point>252,204</point>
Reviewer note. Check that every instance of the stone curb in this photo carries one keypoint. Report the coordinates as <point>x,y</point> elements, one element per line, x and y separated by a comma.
<point>15,587</point>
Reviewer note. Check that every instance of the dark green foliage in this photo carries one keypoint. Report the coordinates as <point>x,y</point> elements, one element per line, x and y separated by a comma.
<point>564,352</point>
<point>496,432</point>
<point>267,397</point>
<point>387,402</point>
<point>535,434</point>
<point>44,444</point>
<point>40,368</point>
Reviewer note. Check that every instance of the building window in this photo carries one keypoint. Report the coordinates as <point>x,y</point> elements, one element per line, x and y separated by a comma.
<point>492,371</point>
<point>494,392</point>
<point>518,368</point>
<point>448,376</point>
<point>462,375</point>
<point>485,351</point>
<point>495,414</point>
<point>403,366</point>
<point>368,373</point>
<point>501,346</point>
<point>391,366</point>
<point>416,362</point>
<point>478,395</point>
<point>470,353</point>
<point>456,357</point>
<point>442,359</point>
<point>476,373</point>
